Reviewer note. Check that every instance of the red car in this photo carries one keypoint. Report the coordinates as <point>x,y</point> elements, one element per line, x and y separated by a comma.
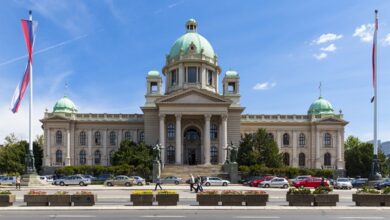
<point>255,183</point>
<point>311,182</point>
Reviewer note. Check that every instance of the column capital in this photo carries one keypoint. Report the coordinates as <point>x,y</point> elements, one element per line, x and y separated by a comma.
<point>178,116</point>
<point>224,117</point>
<point>207,117</point>
<point>162,116</point>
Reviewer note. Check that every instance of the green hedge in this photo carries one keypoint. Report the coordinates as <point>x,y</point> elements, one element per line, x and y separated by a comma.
<point>290,172</point>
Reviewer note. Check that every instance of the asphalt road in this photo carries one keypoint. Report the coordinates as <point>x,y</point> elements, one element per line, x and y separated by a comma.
<point>202,214</point>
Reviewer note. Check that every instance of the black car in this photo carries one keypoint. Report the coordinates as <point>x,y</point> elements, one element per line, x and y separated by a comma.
<point>382,184</point>
<point>357,183</point>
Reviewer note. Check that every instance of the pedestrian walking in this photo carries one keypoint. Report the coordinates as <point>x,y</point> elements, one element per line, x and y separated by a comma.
<point>199,187</point>
<point>322,182</point>
<point>17,182</point>
<point>158,183</point>
<point>192,182</point>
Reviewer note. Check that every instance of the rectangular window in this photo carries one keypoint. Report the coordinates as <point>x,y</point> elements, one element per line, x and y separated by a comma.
<point>231,87</point>
<point>174,77</point>
<point>153,87</point>
<point>192,74</point>
<point>209,77</point>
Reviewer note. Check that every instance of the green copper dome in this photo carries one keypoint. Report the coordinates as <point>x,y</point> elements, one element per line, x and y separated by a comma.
<point>231,74</point>
<point>153,73</point>
<point>191,41</point>
<point>321,107</point>
<point>64,105</point>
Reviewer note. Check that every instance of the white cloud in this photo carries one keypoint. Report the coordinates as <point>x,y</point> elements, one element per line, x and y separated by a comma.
<point>387,40</point>
<point>264,86</point>
<point>330,48</point>
<point>324,38</point>
<point>364,32</point>
<point>320,56</point>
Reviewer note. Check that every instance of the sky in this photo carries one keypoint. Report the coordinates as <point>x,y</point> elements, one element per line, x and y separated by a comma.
<point>282,50</point>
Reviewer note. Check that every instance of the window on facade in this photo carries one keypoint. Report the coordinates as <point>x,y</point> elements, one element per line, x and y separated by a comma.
<point>153,87</point>
<point>128,136</point>
<point>214,155</point>
<point>192,73</point>
<point>111,156</point>
<point>98,138</point>
<point>58,137</point>
<point>270,135</point>
<point>192,135</point>
<point>83,138</point>
<point>171,130</point>
<point>302,160</point>
<point>231,87</point>
<point>327,159</point>
<point>174,78</point>
<point>112,138</point>
<point>98,157</point>
<point>59,157</point>
<point>286,159</point>
<point>286,139</point>
<point>171,154</point>
<point>141,136</point>
<point>302,139</point>
<point>83,157</point>
<point>213,131</point>
<point>327,140</point>
<point>209,77</point>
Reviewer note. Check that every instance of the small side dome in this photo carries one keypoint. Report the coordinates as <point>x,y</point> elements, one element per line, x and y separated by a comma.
<point>231,74</point>
<point>153,73</point>
<point>321,107</point>
<point>64,105</point>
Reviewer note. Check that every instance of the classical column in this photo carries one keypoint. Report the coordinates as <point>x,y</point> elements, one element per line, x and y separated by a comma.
<point>48,143</point>
<point>162,137</point>
<point>279,139</point>
<point>178,139</point>
<point>206,144</point>
<point>294,149</point>
<point>339,160</point>
<point>119,138</point>
<point>224,138</point>
<point>89,158</point>
<point>67,159</point>
<point>318,157</point>
<point>104,157</point>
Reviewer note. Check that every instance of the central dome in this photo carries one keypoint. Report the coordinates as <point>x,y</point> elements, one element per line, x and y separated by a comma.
<point>321,106</point>
<point>64,105</point>
<point>191,42</point>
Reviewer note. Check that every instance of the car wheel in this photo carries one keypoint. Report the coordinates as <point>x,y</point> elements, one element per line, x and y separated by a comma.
<point>62,184</point>
<point>176,182</point>
<point>82,184</point>
<point>139,184</point>
<point>224,184</point>
<point>285,186</point>
<point>207,184</point>
<point>127,184</point>
<point>266,185</point>
<point>109,184</point>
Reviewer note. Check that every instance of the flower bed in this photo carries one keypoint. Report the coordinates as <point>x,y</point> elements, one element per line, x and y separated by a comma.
<point>84,198</point>
<point>232,198</point>
<point>323,198</point>
<point>167,198</point>
<point>208,198</point>
<point>6,198</point>
<point>60,198</point>
<point>142,197</point>
<point>299,197</point>
<point>372,197</point>
<point>36,198</point>
<point>256,198</point>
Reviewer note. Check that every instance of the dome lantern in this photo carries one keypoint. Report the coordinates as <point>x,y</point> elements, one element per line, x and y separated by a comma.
<point>191,25</point>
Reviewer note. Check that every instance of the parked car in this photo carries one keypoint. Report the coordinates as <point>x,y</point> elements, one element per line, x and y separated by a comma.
<point>120,181</point>
<point>8,180</point>
<point>103,177</point>
<point>171,180</point>
<point>300,178</point>
<point>92,178</point>
<point>139,180</point>
<point>359,182</point>
<point>47,179</point>
<point>311,182</point>
<point>255,183</point>
<point>382,184</point>
<point>343,183</point>
<point>275,182</point>
<point>72,180</point>
<point>246,181</point>
<point>215,181</point>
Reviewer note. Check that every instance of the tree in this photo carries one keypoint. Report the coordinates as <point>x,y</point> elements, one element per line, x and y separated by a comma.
<point>38,152</point>
<point>134,154</point>
<point>259,148</point>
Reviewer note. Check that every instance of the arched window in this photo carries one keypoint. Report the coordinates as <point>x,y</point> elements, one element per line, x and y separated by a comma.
<point>171,154</point>
<point>327,159</point>
<point>302,160</point>
<point>98,157</point>
<point>83,157</point>
<point>98,138</point>
<point>128,136</point>
<point>141,136</point>
<point>270,135</point>
<point>83,138</point>
<point>59,157</point>
<point>112,138</point>
<point>327,140</point>
<point>302,139</point>
<point>58,137</point>
<point>286,139</point>
<point>214,155</point>
<point>171,130</point>
<point>213,131</point>
<point>286,159</point>
<point>111,156</point>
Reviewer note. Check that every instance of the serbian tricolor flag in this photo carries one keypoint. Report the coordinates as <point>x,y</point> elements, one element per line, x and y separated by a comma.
<point>29,28</point>
<point>374,51</point>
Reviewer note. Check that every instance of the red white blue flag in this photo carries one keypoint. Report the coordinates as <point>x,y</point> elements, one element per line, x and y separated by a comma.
<point>29,30</point>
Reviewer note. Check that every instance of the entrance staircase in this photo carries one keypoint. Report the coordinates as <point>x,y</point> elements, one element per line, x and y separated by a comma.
<point>183,171</point>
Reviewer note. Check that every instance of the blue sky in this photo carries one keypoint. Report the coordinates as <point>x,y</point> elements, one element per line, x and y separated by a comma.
<point>281,49</point>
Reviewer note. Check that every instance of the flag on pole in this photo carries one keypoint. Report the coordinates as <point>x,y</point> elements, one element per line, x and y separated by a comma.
<point>374,48</point>
<point>29,30</point>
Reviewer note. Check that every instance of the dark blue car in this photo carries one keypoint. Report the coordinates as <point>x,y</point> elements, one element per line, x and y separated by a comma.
<point>383,184</point>
<point>357,183</point>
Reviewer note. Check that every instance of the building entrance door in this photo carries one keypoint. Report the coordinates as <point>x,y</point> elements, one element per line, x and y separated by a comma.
<point>192,146</point>
<point>191,157</point>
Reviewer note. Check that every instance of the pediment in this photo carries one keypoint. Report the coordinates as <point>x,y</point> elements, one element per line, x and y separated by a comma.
<point>331,120</point>
<point>193,96</point>
<point>56,118</point>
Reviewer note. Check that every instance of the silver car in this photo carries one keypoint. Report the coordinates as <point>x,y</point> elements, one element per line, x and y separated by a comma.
<point>8,180</point>
<point>276,182</point>
<point>171,180</point>
<point>343,183</point>
<point>73,180</point>
<point>215,181</point>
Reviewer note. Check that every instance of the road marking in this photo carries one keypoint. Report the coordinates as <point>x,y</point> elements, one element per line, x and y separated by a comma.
<point>72,216</point>
<point>163,216</point>
<point>258,217</point>
<point>367,217</point>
